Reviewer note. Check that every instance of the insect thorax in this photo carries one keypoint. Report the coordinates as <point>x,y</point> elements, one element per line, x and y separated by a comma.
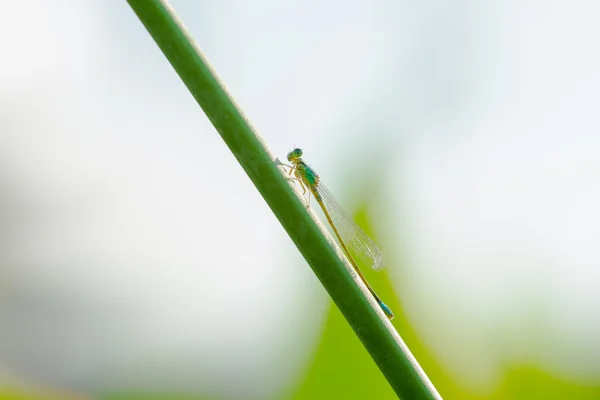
<point>308,175</point>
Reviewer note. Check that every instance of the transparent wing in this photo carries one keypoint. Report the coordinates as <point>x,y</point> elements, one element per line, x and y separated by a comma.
<point>360,245</point>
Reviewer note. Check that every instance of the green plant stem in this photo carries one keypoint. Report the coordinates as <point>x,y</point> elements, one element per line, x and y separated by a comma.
<point>376,333</point>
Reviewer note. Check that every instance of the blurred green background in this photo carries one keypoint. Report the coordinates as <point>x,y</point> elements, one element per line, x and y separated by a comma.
<point>137,261</point>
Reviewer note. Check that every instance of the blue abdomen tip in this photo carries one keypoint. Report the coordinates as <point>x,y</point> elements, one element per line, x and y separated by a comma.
<point>386,310</point>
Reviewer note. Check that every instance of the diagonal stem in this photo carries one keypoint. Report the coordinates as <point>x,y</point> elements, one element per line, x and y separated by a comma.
<point>364,316</point>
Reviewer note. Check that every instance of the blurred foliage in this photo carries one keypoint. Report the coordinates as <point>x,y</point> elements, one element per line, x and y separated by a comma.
<point>19,393</point>
<point>342,368</point>
<point>531,382</point>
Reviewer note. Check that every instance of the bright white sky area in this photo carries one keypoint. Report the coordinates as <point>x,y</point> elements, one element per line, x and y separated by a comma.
<point>135,252</point>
